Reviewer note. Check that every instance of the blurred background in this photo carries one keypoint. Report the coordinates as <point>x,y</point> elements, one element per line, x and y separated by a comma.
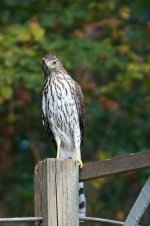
<point>105,46</point>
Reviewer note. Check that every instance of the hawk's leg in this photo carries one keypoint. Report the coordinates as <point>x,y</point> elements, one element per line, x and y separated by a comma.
<point>58,143</point>
<point>78,151</point>
<point>78,158</point>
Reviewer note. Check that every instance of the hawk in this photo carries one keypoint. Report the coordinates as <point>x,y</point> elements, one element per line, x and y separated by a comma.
<point>63,113</point>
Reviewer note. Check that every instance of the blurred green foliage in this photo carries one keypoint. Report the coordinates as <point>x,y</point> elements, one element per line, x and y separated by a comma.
<point>105,47</point>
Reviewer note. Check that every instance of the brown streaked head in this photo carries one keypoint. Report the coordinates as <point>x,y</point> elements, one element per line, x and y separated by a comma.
<point>49,63</point>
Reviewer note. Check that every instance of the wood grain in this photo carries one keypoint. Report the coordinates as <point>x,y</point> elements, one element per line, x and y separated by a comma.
<point>57,192</point>
<point>104,168</point>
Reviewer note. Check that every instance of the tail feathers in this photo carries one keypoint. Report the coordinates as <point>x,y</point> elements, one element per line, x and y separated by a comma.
<point>82,201</point>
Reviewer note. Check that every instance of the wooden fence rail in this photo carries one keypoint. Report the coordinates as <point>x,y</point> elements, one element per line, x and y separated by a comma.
<point>110,167</point>
<point>139,206</point>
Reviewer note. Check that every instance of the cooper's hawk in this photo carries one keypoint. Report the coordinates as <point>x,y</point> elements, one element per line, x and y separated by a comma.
<point>63,113</point>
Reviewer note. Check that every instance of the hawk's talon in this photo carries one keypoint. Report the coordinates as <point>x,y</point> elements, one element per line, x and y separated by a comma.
<point>79,162</point>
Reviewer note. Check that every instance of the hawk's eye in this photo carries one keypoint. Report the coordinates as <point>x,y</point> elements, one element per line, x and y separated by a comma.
<point>54,62</point>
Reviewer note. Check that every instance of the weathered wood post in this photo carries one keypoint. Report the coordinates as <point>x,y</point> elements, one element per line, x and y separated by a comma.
<point>57,192</point>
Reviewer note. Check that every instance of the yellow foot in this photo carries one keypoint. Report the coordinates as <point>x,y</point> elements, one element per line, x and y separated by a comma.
<point>80,163</point>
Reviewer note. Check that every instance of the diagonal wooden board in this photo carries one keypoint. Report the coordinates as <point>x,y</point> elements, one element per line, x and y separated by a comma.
<point>139,206</point>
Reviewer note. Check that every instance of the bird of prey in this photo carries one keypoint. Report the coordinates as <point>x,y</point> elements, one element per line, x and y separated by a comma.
<point>63,114</point>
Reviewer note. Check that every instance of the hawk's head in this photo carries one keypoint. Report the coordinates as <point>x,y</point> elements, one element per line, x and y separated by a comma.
<point>50,63</point>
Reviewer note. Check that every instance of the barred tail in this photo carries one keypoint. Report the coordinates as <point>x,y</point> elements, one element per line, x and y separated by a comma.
<point>82,201</point>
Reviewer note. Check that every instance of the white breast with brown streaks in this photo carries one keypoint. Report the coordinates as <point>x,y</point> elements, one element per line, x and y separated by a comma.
<point>61,110</point>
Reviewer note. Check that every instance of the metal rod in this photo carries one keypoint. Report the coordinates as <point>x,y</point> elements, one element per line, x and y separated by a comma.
<point>30,219</point>
<point>102,220</point>
<point>20,219</point>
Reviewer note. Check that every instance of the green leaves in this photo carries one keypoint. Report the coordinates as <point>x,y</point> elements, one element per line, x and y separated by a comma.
<point>105,46</point>
<point>6,93</point>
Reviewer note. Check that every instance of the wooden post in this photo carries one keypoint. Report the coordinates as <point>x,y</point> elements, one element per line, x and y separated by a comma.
<point>57,192</point>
